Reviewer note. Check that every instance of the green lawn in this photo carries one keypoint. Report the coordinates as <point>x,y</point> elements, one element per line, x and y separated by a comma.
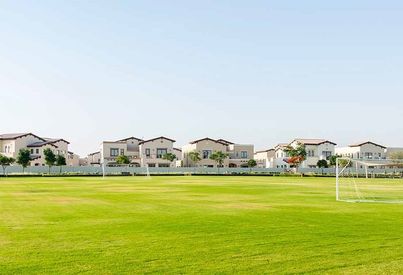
<point>193,225</point>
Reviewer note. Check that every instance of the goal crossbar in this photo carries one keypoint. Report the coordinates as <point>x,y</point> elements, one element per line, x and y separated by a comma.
<point>369,180</point>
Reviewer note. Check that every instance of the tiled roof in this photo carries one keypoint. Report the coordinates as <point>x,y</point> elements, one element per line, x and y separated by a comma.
<point>126,139</point>
<point>309,141</point>
<point>17,135</point>
<point>280,145</point>
<point>20,135</point>
<point>54,140</point>
<point>225,141</point>
<point>366,142</point>
<point>153,139</point>
<point>264,151</point>
<point>207,138</point>
<point>41,143</point>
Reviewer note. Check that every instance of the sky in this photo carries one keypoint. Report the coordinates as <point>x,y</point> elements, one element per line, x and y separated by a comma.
<point>260,72</point>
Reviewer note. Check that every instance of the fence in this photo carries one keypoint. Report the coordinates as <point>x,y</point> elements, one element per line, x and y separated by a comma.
<point>91,170</point>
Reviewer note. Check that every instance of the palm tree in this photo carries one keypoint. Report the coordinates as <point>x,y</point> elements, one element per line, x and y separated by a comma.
<point>169,156</point>
<point>194,157</point>
<point>219,158</point>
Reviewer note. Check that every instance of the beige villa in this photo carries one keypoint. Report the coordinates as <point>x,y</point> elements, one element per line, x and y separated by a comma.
<point>10,145</point>
<point>141,153</point>
<point>129,147</point>
<point>239,154</point>
<point>153,150</point>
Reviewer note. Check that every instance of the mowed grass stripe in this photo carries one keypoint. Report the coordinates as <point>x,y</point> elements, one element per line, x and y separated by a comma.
<point>193,225</point>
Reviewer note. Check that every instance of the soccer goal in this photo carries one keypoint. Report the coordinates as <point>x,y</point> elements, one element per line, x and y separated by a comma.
<point>369,180</point>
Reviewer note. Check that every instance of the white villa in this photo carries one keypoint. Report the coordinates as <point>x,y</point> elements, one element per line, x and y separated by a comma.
<point>364,150</point>
<point>280,156</point>
<point>10,145</point>
<point>273,158</point>
<point>316,149</point>
<point>277,157</point>
<point>264,158</point>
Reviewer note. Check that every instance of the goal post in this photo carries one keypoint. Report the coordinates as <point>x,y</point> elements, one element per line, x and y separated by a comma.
<point>369,180</point>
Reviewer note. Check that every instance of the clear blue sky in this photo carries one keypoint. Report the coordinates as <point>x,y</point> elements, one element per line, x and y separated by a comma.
<point>257,72</point>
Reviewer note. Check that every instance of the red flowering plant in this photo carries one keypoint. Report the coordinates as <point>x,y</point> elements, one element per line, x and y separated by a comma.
<point>296,154</point>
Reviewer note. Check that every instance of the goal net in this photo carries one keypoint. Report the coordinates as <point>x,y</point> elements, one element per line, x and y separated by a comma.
<point>369,180</point>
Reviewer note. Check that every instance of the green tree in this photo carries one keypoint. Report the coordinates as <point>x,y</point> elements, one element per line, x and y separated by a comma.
<point>60,161</point>
<point>297,154</point>
<point>342,162</point>
<point>397,155</point>
<point>24,158</point>
<point>122,159</point>
<point>332,160</point>
<point>6,161</point>
<point>322,163</point>
<point>194,157</point>
<point>397,159</point>
<point>251,163</point>
<point>345,163</point>
<point>50,158</point>
<point>169,156</point>
<point>219,158</point>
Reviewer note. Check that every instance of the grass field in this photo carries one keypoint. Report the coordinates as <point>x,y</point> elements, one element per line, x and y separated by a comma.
<point>193,225</point>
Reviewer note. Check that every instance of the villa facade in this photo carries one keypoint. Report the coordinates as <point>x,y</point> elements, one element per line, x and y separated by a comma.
<point>364,150</point>
<point>11,144</point>
<point>316,149</point>
<point>141,153</point>
<point>238,154</point>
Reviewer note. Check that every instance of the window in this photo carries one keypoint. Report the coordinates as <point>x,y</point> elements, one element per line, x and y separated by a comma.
<point>32,151</point>
<point>327,154</point>
<point>114,152</point>
<point>206,154</point>
<point>368,155</point>
<point>311,153</point>
<point>122,152</point>
<point>37,151</point>
<point>161,152</point>
<point>148,152</point>
<point>244,154</point>
<point>163,165</point>
<point>151,164</point>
